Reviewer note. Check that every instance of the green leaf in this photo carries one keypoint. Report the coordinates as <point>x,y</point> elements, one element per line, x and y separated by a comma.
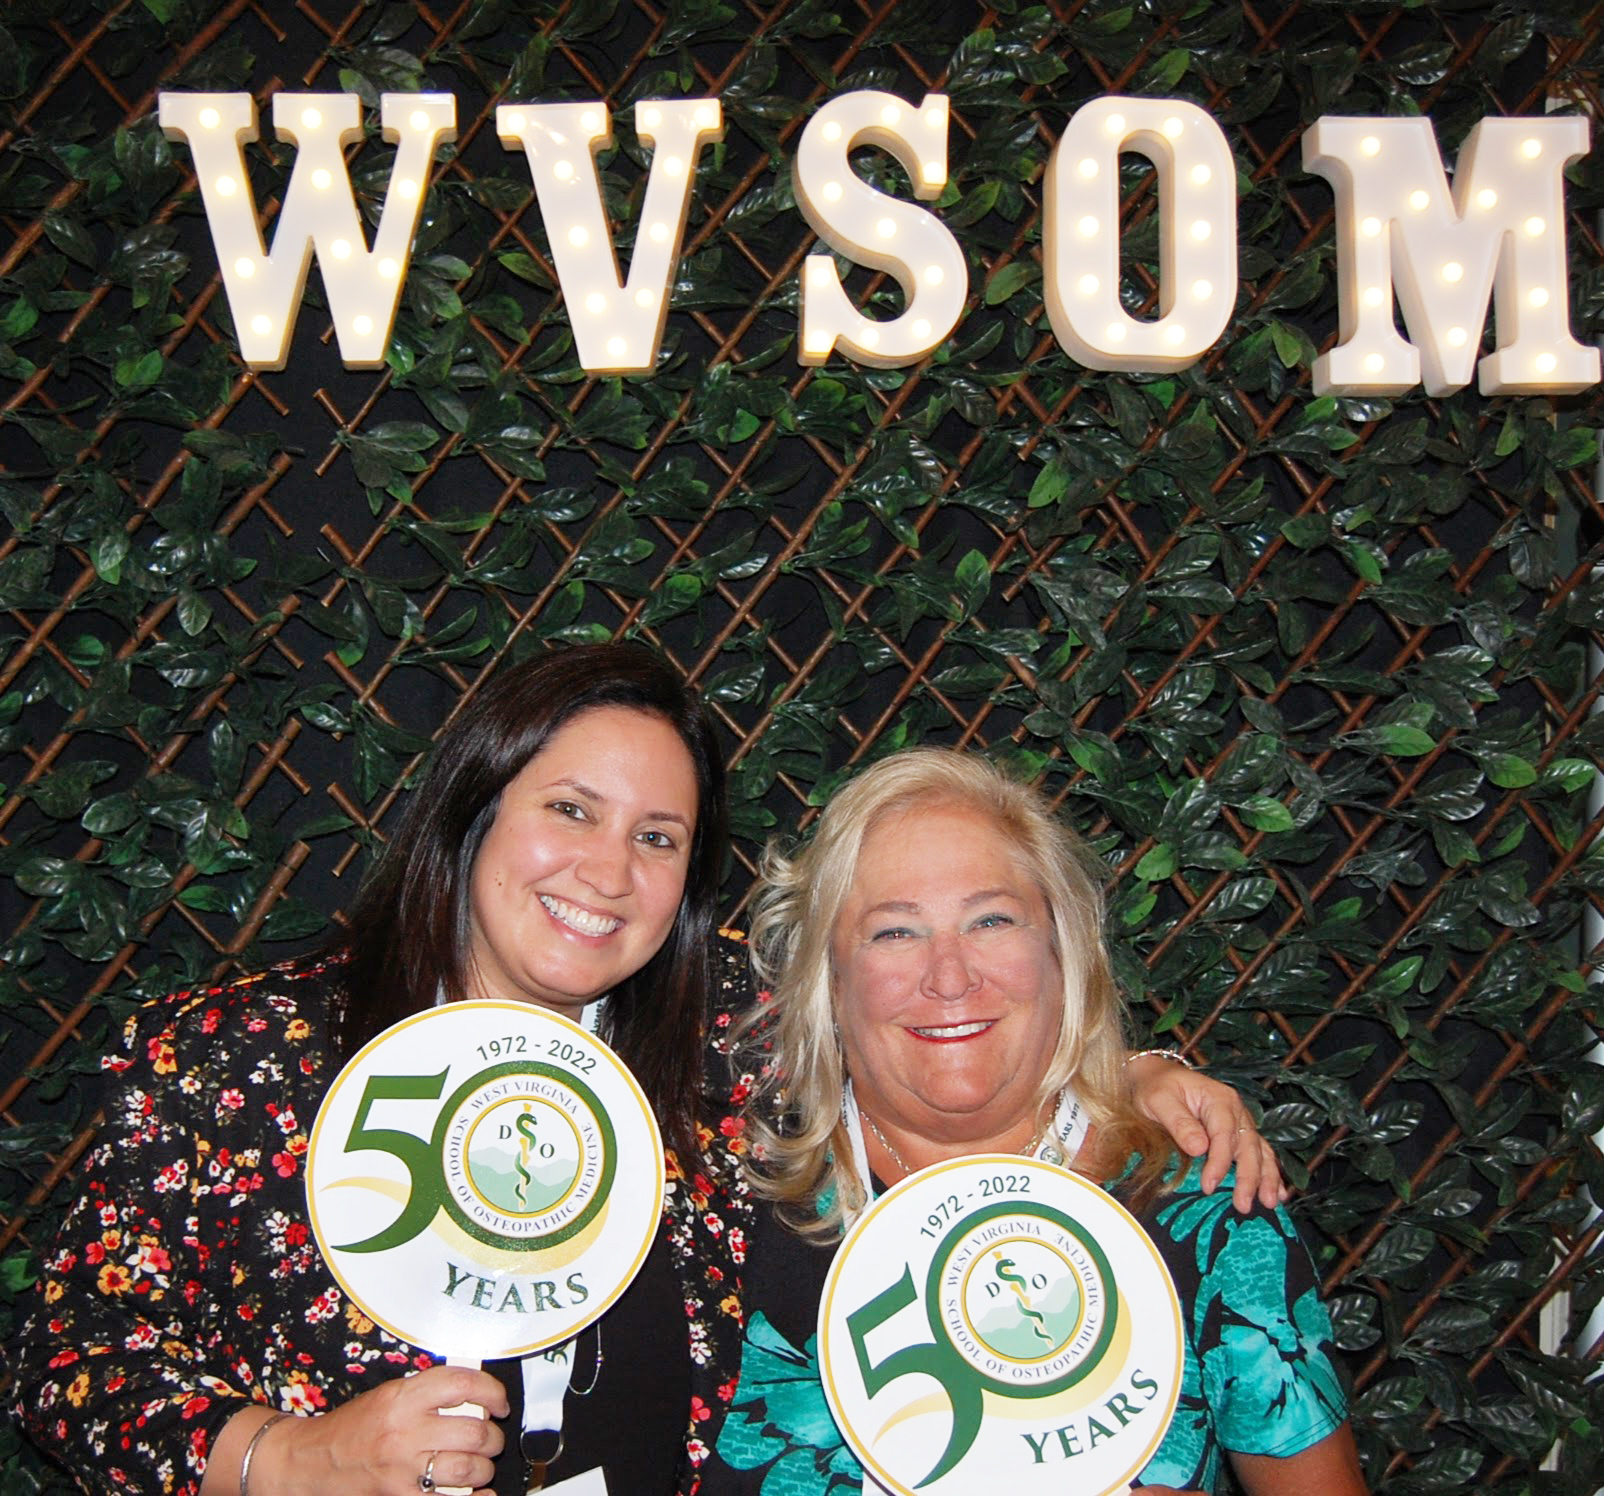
<point>138,371</point>
<point>1395,980</point>
<point>1051,484</point>
<point>1307,530</point>
<point>676,593</point>
<point>194,612</point>
<point>1288,345</point>
<point>1239,900</point>
<point>107,555</point>
<point>205,896</point>
<point>1096,756</point>
<point>1576,446</point>
<point>1509,437</point>
<point>72,239</point>
<point>1404,741</point>
<point>1569,774</point>
<point>18,1273</point>
<point>1363,561</point>
<point>18,320</point>
<point>1266,813</point>
<point>1402,1248</point>
<point>1292,1124</point>
<point>1582,1108</point>
<point>973,577</point>
<point>110,814</point>
<point>1011,278</point>
<point>64,792</point>
<point>526,268</point>
<point>1353,1317</point>
<point>1157,863</point>
<point>47,877</point>
<point>1168,70</point>
<point>1508,771</point>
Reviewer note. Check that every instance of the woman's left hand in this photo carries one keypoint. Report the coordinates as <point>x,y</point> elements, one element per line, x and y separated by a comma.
<point>1204,1116</point>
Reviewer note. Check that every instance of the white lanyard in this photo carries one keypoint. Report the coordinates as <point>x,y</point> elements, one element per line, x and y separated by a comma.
<point>1059,1145</point>
<point>546,1373</point>
<point>545,1376</point>
<point>547,1383</point>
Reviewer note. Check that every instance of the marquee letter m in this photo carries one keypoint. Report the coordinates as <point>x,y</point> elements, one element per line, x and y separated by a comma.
<point>1499,232</point>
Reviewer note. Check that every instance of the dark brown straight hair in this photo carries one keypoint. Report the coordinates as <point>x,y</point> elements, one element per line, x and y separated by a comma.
<point>409,933</point>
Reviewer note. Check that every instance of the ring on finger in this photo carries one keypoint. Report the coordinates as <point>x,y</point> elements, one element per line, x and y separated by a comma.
<point>426,1480</point>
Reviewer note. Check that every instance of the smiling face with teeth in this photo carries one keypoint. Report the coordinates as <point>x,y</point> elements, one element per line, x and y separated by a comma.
<point>580,876</point>
<point>947,989</point>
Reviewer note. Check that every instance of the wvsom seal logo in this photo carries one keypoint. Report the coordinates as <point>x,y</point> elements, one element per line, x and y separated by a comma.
<point>484,1179</point>
<point>528,1154</point>
<point>518,1166</point>
<point>1024,1298</point>
<point>1008,1303</point>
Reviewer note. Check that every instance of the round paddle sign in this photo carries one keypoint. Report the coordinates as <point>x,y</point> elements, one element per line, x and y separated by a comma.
<point>484,1179</point>
<point>998,1323</point>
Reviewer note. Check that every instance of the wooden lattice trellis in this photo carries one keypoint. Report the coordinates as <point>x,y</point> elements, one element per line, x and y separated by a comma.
<point>1318,677</point>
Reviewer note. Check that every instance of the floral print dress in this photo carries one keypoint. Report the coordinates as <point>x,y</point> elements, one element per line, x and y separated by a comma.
<point>185,1281</point>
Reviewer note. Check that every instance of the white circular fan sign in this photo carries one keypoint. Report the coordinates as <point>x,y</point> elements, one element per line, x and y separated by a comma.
<point>996,1323</point>
<point>484,1179</point>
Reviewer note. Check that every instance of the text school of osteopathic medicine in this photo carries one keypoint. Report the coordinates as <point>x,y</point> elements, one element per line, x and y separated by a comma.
<point>1192,407</point>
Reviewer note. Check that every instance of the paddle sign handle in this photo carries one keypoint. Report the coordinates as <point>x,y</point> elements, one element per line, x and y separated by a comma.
<point>462,1410</point>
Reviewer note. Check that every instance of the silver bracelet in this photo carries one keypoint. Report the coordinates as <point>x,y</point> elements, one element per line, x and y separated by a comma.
<point>250,1451</point>
<point>1157,1054</point>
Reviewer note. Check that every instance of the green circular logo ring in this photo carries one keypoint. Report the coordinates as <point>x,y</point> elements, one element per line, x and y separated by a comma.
<point>964,1235</point>
<point>563,1080</point>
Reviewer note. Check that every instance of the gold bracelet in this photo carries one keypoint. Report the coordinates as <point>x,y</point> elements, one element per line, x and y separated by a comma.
<point>1156,1054</point>
<point>250,1451</point>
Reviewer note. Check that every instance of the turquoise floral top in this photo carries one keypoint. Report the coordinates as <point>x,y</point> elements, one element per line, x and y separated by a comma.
<point>1258,1376</point>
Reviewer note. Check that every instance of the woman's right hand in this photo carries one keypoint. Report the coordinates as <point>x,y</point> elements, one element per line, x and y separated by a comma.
<point>380,1443</point>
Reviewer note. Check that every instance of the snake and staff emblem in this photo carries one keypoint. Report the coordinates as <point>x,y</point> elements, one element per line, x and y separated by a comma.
<point>1024,1300</point>
<point>1015,1280</point>
<point>523,1155</point>
<point>526,1141</point>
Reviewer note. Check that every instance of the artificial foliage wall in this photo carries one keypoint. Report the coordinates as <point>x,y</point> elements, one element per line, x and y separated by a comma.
<point>1318,677</point>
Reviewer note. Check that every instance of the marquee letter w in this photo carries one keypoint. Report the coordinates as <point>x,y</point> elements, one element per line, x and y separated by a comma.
<point>264,289</point>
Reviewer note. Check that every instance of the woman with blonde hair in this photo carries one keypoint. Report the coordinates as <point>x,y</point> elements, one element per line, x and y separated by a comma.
<point>940,988</point>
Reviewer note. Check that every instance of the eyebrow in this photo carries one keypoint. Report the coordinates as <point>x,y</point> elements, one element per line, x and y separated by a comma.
<point>908,906</point>
<point>592,793</point>
<point>892,906</point>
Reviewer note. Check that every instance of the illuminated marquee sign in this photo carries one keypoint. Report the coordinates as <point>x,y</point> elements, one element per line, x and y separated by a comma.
<point>1444,252</point>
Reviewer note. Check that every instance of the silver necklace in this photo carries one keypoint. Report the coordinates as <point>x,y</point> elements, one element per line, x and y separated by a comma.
<point>885,1142</point>
<point>1050,1153</point>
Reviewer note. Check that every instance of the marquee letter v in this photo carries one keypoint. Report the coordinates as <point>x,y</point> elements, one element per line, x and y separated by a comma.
<point>617,325</point>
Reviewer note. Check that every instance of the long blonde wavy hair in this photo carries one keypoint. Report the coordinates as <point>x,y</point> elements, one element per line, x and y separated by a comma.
<point>801,1156</point>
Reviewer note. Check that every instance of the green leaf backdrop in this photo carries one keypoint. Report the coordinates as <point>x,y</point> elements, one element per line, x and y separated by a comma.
<point>1317,676</point>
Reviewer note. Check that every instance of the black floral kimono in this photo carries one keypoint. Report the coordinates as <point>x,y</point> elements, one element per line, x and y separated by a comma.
<point>186,1281</point>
